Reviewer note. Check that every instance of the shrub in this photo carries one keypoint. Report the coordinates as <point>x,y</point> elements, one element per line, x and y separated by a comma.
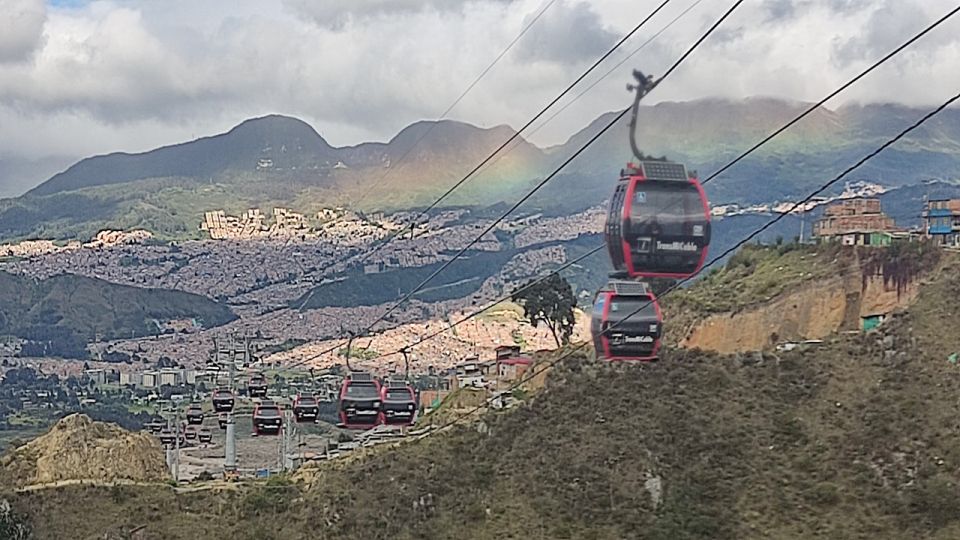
<point>12,525</point>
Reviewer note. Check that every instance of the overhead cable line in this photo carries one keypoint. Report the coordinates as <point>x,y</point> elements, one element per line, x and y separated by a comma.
<point>556,171</point>
<point>504,298</point>
<point>829,96</point>
<point>617,65</point>
<point>455,186</point>
<point>457,101</point>
<point>735,247</point>
<point>772,135</point>
<point>768,138</point>
<point>600,79</point>
<point>549,177</point>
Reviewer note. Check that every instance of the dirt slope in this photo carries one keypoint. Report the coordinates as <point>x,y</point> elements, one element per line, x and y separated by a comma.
<point>766,295</point>
<point>813,311</point>
<point>77,448</point>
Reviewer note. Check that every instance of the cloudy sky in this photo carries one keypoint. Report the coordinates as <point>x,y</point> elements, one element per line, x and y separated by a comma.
<point>80,77</point>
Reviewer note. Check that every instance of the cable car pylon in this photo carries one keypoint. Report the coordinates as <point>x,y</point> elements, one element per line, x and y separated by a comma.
<point>658,226</point>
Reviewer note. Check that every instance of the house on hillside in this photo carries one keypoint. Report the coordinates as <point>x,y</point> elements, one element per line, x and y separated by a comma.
<point>471,372</point>
<point>858,221</point>
<point>941,220</point>
<point>511,364</point>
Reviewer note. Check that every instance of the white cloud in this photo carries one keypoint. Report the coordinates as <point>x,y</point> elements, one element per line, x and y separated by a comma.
<point>131,75</point>
<point>21,27</point>
<point>570,32</point>
<point>336,14</point>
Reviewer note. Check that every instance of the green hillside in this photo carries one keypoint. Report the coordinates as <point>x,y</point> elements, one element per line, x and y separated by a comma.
<point>64,312</point>
<point>462,278</point>
<point>279,160</point>
<point>855,439</point>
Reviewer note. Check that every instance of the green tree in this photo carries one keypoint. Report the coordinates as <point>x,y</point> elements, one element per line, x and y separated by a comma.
<point>550,302</point>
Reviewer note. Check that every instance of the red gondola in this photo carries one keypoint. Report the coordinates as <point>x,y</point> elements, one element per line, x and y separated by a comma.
<point>222,400</point>
<point>306,408</point>
<point>267,418</point>
<point>195,414</point>
<point>359,401</point>
<point>658,221</point>
<point>626,323</point>
<point>398,403</point>
<point>167,436</point>
<point>257,386</point>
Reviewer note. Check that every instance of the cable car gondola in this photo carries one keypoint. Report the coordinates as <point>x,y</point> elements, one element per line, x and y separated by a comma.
<point>398,403</point>
<point>306,408</point>
<point>359,401</point>
<point>626,322</point>
<point>222,420</point>
<point>267,418</point>
<point>166,436</point>
<point>257,386</point>
<point>205,436</point>
<point>658,220</point>
<point>222,400</point>
<point>190,432</point>
<point>154,427</point>
<point>195,414</point>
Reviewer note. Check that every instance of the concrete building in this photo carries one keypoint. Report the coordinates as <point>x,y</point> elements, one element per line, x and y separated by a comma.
<point>98,376</point>
<point>941,219</point>
<point>170,376</point>
<point>151,379</point>
<point>855,221</point>
<point>135,379</point>
<point>470,373</point>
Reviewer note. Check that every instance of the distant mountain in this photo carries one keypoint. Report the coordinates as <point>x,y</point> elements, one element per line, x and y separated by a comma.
<point>708,134</point>
<point>286,141</point>
<point>62,313</point>
<point>19,175</point>
<point>278,160</point>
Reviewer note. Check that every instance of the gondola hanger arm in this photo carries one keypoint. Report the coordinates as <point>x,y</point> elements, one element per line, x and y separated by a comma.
<point>645,84</point>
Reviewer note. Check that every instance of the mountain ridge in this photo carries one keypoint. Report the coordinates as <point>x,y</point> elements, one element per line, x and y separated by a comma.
<point>282,161</point>
<point>246,133</point>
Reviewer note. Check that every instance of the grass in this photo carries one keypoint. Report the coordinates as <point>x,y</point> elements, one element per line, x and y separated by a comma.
<point>360,353</point>
<point>506,311</point>
<point>757,274</point>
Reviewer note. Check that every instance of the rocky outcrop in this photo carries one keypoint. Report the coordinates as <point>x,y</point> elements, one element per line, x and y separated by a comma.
<point>810,312</point>
<point>77,448</point>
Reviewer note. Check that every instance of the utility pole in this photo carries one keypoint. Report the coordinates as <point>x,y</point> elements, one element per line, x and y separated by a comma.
<point>286,460</point>
<point>803,220</point>
<point>230,447</point>
<point>176,446</point>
